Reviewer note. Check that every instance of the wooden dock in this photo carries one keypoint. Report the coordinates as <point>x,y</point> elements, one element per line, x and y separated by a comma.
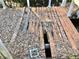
<point>62,34</point>
<point>48,29</point>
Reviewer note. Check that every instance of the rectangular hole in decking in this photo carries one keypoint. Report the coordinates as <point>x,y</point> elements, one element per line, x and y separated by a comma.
<point>46,38</point>
<point>47,46</point>
<point>28,26</point>
<point>75,23</point>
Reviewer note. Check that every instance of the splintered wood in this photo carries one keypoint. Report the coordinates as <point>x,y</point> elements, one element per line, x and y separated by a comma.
<point>28,35</point>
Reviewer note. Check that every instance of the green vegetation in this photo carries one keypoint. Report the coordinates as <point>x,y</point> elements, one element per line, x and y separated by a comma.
<point>73,57</point>
<point>36,2</point>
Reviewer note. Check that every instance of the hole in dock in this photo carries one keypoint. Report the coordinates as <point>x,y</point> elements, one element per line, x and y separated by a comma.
<point>28,26</point>
<point>47,46</point>
<point>48,53</point>
<point>46,38</point>
<point>75,23</point>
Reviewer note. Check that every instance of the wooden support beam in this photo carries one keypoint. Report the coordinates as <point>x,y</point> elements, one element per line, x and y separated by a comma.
<point>70,11</point>
<point>28,3</point>
<point>49,3</point>
<point>63,4</point>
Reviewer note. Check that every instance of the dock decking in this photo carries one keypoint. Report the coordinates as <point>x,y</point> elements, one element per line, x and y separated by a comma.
<point>62,36</point>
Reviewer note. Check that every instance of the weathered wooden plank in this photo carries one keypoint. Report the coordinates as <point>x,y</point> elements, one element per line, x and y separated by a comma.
<point>63,33</point>
<point>66,28</point>
<point>31,26</point>
<point>67,41</point>
<point>17,27</point>
<point>51,37</point>
<point>42,45</point>
<point>71,30</point>
<point>72,27</point>
<point>55,33</point>
<point>59,35</point>
<point>52,45</point>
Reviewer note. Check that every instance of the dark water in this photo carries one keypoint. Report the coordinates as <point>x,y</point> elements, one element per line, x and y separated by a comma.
<point>47,50</point>
<point>76,23</point>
